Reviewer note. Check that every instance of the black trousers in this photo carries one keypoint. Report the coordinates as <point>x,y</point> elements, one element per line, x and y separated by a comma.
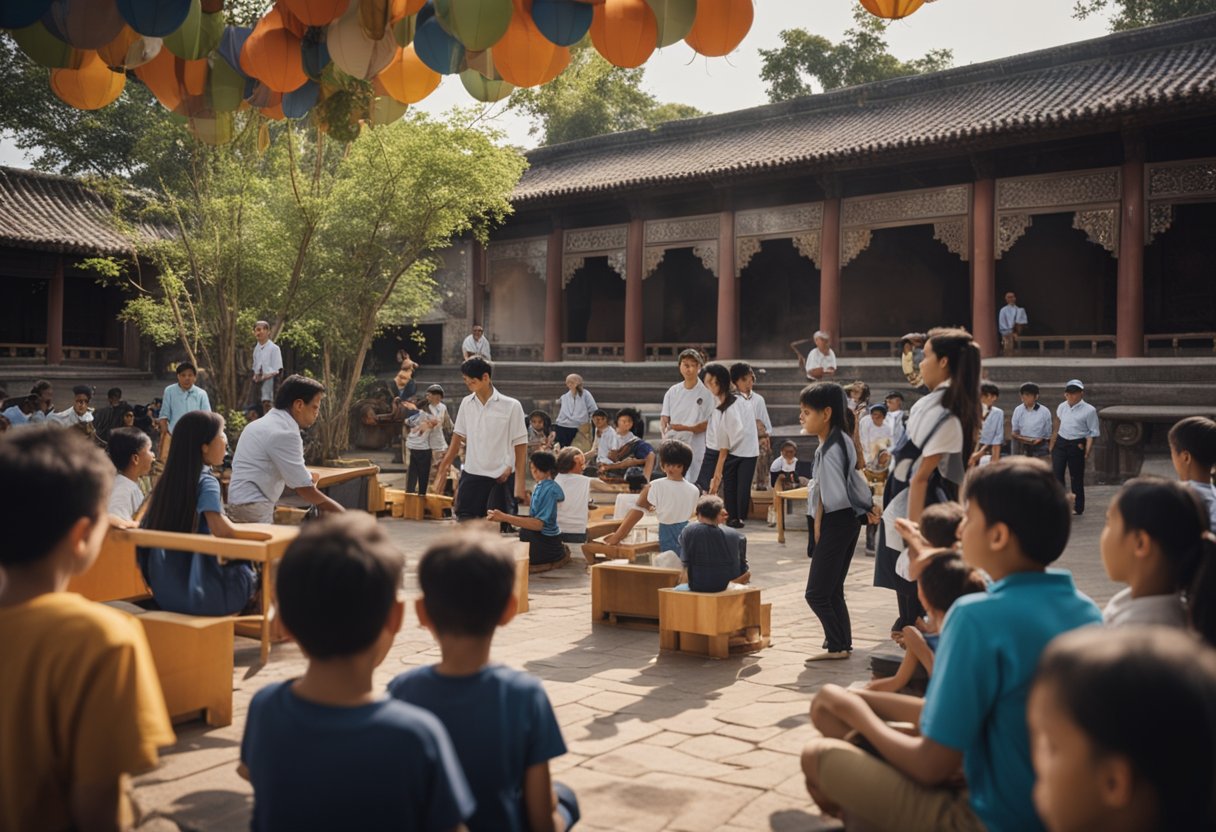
<point>543,548</point>
<point>1069,454</point>
<point>418,478</point>
<point>565,436</point>
<point>476,495</point>
<point>708,464</point>
<point>737,475</point>
<point>830,559</point>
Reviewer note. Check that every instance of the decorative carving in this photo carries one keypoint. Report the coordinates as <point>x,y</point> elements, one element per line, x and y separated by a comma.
<point>1059,190</point>
<point>906,208</point>
<point>651,258</point>
<point>1101,226</point>
<point>1160,218</point>
<point>617,262</point>
<point>1186,180</point>
<point>854,242</point>
<point>707,253</point>
<point>451,281</point>
<point>782,220</point>
<point>599,240</point>
<point>532,253</point>
<point>1009,229</point>
<point>682,230</point>
<point>745,249</point>
<point>570,266</point>
<point>809,245</point>
<point>953,235</point>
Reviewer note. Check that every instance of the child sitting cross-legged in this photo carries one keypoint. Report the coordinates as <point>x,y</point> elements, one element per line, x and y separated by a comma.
<point>715,555</point>
<point>974,711</point>
<point>80,705</point>
<point>629,449</point>
<point>325,751</point>
<point>501,723</point>
<point>539,529</point>
<point>673,498</point>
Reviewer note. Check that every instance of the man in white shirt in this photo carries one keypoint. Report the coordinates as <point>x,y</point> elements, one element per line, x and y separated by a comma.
<point>1009,322</point>
<point>476,345</point>
<point>1075,432</point>
<point>270,456</point>
<point>686,409</point>
<point>267,364</point>
<point>494,434</point>
<point>821,361</point>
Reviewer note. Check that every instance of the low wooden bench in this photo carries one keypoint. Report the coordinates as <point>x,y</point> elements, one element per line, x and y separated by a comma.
<point>713,624</point>
<point>596,548</point>
<point>115,575</point>
<point>627,594</point>
<point>193,656</point>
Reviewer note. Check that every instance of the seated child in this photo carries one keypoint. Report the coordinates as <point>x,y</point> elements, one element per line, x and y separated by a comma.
<point>1154,542</point>
<point>187,499</point>
<point>501,723</point>
<point>80,704</point>
<point>629,450</point>
<point>605,438</point>
<point>79,415</point>
<point>673,499</point>
<point>715,555</point>
<point>130,450</point>
<point>576,488</point>
<point>1108,713</point>
<point>974,711</point>
<point>783,473</point>
<point>1193,452</point>
<point>937,530</point>
<point>539,529</point>
<point>540,432</point>
<point>324,751</point>
<point>876,437</point>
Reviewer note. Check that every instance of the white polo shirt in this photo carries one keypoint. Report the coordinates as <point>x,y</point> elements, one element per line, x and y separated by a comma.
<point>674,501</point>
<point>267,358</point>
<point>572,511</point>
<point>735,429</point>
<point>491,432</point>
<point>481,348</point>
<point>817,360</point>
<point>269,457</point>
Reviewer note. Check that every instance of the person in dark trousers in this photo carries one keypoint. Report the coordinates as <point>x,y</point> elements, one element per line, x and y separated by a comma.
<point>1075,432</point>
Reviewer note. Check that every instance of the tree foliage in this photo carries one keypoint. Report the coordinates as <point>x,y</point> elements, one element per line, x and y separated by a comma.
<point>805,61</point>
<point>1132,14</point>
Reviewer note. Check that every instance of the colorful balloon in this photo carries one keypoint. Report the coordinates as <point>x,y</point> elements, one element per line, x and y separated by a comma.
<point>155,18</point>
<point>525,57</point>
<point>44,49</point>
<point>352,51</point>
<point>405,29</point>
<point>437,49</point>
<point>198,35</point>
<point>225,86</point>
<point>385,110</point>
<point>892,9</point>
<point>160,75</point>
<point>86,24</point>
<point>625,32</point>
<point>316,12</point>
<point>720,26</point>
<point>17,14</point>
<point>273,55</point>
<point>297,103</point>
<point>231,44</point>
<point>563,22</point>
<point>129,50</point>
<point>484,89</point>
<point>91,87</point>
<point>407,79</point>
<point>675,19</point>
<point>477,24</point>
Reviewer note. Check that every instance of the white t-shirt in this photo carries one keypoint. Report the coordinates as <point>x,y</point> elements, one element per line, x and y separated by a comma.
<point>491,433</point>
<point>604,443</point>
<point>572,511</point>
<point>874,438</point>
<point>689,406</point>
<point>780,466</point>
<point>1124,611</point>
<point>431,438</point>
<point>267,358</point>
<point>817,360</point>
<point>674,501</point>
<point>126,498</point>
<point>269,457</point>
<point>481,348</point>
<point>759,409</point>
<point>735,429</point>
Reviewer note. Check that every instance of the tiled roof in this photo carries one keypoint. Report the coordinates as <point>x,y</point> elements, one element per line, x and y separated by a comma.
<point>48,212</point>
<point>1101,83</point>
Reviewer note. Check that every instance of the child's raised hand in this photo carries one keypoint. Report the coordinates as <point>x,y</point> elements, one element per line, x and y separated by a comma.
<point>496,516</point>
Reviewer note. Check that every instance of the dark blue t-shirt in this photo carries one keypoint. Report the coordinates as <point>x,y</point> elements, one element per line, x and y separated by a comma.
<point>714,556</point>
<point>387,765</point>
<point>501,723</point>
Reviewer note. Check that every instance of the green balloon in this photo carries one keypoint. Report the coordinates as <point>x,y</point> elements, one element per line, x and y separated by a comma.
<point>483,89</point>
<point>225,86</point>
<point>198,35</point>
<point>477,24</point>
<point>675,19</point>
<point>404,30</point>
<point>45,49</point>
<point>385,110</point>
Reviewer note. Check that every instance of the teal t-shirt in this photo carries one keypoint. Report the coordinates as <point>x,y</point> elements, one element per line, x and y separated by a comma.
<point>545,498</point>
<point>983,668</point>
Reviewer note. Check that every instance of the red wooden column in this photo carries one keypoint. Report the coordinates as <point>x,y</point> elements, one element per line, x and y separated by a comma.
<point>635,336</point>
<point>1129,301</point>
<point>829,270</point>
<point>983,265</point>
<point>54,315</point>
<point>478,254</point>
<point>553,297</point>
<point>728,288</point>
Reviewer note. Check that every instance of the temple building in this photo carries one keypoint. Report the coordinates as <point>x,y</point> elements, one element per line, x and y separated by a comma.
<point>1081,177</point>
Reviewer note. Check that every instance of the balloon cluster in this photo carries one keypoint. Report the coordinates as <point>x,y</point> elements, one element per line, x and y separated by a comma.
<point>303,53</point>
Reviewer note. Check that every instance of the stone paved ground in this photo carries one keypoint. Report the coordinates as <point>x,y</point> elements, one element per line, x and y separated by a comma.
<point>657,741</point>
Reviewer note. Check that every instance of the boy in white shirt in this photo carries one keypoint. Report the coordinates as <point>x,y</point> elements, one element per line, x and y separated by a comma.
<point>267,363</point>
<point>673,498</point>
<point>572,511</point>
<point>992,434</point>
<point>605,437</point>
<point>744,378</point>
<point>686,409</point>
<point>130,449</point>
<point>895,415</point>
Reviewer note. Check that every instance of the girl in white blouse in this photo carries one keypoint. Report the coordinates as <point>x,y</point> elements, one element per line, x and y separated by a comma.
<point>734,424</point>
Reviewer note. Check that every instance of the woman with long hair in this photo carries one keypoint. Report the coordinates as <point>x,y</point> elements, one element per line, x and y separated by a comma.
<point>930,461</point>
<point>733,424</point>
<point>187,499</point>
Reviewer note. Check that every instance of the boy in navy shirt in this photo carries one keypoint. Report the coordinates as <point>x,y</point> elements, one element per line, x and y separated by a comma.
<point>539,529</point>
<point>500,720</point>
<point>324,751</point>
<point>974,712</point>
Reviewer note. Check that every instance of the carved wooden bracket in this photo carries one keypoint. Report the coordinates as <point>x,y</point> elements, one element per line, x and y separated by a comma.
<point>1091,196</point>
<point>532,253</point>
<point>1173,183</point>
<point>1009,229</point>
<point>953,235</point>
<point>853,242</point>
<point>1101,227</point>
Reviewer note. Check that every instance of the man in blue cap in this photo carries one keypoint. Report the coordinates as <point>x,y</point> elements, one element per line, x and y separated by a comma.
<point>1075,431</point>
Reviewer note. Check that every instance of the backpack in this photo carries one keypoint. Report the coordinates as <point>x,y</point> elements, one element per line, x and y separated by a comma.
<point>861,499</point>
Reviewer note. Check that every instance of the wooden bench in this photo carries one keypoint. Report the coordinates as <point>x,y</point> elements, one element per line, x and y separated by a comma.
<point>713,624</point>
<point>193,656</point>
<point>627,594</point>
<point>646,544</point>
<point>115,575</point>
<point>522,562</point>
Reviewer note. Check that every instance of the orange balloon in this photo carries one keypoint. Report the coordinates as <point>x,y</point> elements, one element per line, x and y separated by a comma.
<point>274,113</point>
<point>407,79</point>
<point>405,8</point>
<point>625,32</point>
<point>526,58</point>
<point>129,49</point>
<point>194,76</point>
<point>720,26</point>
<point>272,55</point>
<point>91,87</point>
<point>892,9</point>
<point>160,76</point>
<point>316,12</point>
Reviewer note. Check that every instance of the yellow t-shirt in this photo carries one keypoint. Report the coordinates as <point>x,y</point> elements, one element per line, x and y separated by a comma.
<point>79,703</point>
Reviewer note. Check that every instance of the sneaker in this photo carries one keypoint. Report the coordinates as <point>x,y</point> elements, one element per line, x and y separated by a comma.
<point>829,656</point>
<point>735,524</point>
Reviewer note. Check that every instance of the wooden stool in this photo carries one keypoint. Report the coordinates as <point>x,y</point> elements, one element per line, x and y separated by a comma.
<point>395,499</point>
<point>627,594</point>
<point>193,656</point>
<point>713,623</point>
<point>114,576</point>
<point>521,578</point>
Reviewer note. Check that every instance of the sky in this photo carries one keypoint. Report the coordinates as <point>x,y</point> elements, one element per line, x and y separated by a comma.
<point>977,30</point>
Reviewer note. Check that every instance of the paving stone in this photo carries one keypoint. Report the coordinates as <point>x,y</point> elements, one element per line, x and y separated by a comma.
<point>639,759</point>
<point>714,747</point>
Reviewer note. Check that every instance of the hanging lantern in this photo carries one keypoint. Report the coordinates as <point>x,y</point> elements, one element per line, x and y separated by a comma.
<point>194,76</point>
<point>437,49</point>
<point>385,110</point>
<point>405,29</point>
<point>129,50</point>
<point>316,12</point>
<point>17,14</point>
<point>315,53</point>
<point>86,24</point>
<point>44,49</point>
<point>352,51</point>
<point>160,75</point>
<point>477,24</point>
<point>564,22</point>
<point>525,57</point>
<point>891,9</point>
<point>675,19</point>
<point>231,44</point>
<point>225,86</point>
<point>198,35</point>
<point>625,32</point>
<point>154,18</point>
<point>297,103</point>
<point>407,79</point>
<point>483,89</point>
<point>213,131</point>
<point>212,6</point>
<point>273,56</point>
<point>91,87</point>
<point>720,26</point>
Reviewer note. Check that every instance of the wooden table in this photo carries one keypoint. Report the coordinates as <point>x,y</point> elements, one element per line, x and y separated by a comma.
<point>779,498</point>
<point>627,594</point>
<point>328,477</point>
<point>647,544</point>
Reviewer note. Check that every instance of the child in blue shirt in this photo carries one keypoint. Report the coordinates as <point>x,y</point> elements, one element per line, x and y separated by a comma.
<point>974,712</point>
<point>992,434</point>
<point>324,751</point>
<point>539,529</point>
<point>500,720</point>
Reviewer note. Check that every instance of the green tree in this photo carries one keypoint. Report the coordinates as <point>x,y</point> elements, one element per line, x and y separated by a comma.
<point>804,60</point>
<point>1132,14</point>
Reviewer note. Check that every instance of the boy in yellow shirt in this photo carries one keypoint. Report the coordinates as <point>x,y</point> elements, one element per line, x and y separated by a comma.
<point>80,704</point>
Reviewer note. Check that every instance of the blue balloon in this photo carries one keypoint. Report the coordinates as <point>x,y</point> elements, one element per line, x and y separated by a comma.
<point>437,49</point>
<point>154,18</point>
<point>17,14</point>
<point>563,22</point>
<point>315,53</point>
<point>297,103</point>
<point>231,43</point>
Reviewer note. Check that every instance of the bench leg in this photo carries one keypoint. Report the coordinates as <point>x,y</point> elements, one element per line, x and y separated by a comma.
<point>719,646</point>
<point>669,640</point>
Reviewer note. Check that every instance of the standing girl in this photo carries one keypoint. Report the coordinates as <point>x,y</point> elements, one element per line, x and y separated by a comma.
<point>734,425</point>
<point>576,406</point>
<point>930,462</point>
<point>187,499</point>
